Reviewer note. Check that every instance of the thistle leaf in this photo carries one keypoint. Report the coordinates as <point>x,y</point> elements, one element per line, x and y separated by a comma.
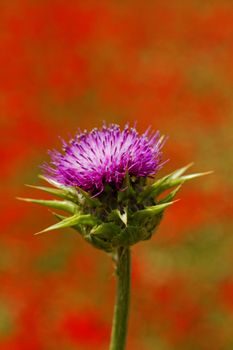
<point>62,217</point>
<point>67,189</point>
<point>124,216</point>
<point>93,202</point>
<point>99,243</point>
<point>172,182</point>
<point>162,183</point>
<point>175,174</point>
<point>131,235</point>
<point>50,181</point>
<point>151,190</point>
<point>115,215</point>
<point>56,192</point>
<point>70,207</point>
<point>59,217</point>
<point>170,196</point>
<point>192,176</point>
<point>150,211</point>
<point>169,181</point>
<point>127,190</point>
<point>72,221</point>
<point>106,230</point>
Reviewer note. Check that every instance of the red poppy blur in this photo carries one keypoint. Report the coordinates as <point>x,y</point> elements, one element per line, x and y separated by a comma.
<point>66,65</point>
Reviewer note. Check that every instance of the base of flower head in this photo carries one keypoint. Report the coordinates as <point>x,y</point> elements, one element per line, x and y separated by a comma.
<point>115,218</point>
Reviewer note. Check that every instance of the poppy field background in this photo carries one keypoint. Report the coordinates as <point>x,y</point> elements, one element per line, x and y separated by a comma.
<point>66,65</point>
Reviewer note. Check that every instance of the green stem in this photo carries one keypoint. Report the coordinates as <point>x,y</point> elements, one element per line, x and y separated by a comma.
<point>120,318</point>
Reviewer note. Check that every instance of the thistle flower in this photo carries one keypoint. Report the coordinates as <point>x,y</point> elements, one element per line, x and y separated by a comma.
<point>103,156</point>
<point>101,177</point>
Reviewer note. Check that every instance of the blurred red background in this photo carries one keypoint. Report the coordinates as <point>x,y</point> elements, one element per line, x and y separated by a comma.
<point>71,64</point>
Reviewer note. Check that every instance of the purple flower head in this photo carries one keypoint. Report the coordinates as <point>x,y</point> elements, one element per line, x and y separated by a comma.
<point>103,156</point>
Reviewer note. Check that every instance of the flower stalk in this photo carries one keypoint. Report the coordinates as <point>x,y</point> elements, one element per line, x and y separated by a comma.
<point>121,309</point>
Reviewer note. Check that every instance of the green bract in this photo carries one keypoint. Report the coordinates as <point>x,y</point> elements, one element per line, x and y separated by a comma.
<point>116,218</point>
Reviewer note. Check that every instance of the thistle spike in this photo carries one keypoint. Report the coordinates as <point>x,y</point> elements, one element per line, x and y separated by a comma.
<point>70,222</point>
<point>175,174</point>
<point>93,202</point>
<point>70,207</point>
<point>56,192</point>
<point>171,195</point>
<point>152,210</point>
<point>169,181</point>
